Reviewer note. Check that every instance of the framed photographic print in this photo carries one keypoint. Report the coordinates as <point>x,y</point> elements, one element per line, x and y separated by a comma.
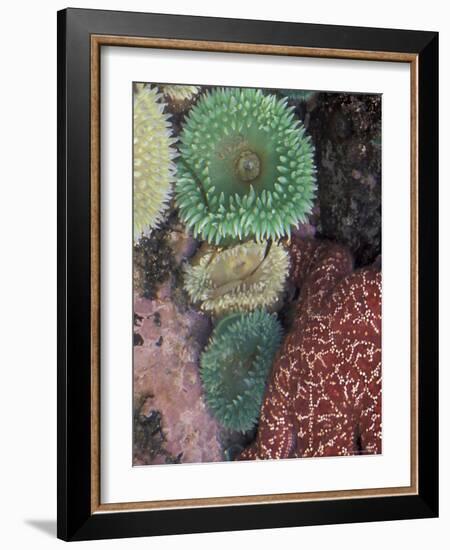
<point>247,251</point>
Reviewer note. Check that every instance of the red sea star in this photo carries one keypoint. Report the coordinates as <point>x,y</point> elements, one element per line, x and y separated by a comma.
<point>324,394</point>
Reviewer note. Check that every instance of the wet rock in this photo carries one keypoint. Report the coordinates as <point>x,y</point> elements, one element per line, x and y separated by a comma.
<point>159,259</point>
<point>153,263</point>
<point>172,422</point>
<point>234,442</point>
<point>182,244</point>
<point>309,229</point>
<point>346,131</point>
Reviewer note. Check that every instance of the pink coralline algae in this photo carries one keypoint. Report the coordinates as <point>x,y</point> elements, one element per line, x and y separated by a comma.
<point>167,385</point>
<point>324,394</point>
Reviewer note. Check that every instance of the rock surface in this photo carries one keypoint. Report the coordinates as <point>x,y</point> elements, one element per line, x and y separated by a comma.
<point>346,132</point>
<point>172,423</point>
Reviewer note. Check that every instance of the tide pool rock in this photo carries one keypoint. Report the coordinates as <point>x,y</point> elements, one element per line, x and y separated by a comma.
<point>172,422</point>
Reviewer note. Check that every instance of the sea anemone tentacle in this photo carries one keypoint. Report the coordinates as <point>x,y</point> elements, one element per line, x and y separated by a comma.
<point>153,160</point>
<point>236,364</point>
<point>241,278</point>
<point>246,167</point>
<point>299,95</point>
<point>179,92</point>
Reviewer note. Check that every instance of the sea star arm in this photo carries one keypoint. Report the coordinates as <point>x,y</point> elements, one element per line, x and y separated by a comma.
<point>276,436</point>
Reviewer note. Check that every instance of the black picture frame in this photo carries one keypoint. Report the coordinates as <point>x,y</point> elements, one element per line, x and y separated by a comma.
<point>76,521</point>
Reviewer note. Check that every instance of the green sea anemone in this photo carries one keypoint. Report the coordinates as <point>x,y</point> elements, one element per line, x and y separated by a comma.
<point>246,168</point>
<point>301,95</point>
<point>153,154</point>
<point>241,278</point>
<point>179,92</point>
<point>235,366</point>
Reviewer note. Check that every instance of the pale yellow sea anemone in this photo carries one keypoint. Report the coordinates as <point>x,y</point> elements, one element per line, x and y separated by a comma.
<point>242,278</point>
<point>179,92</point>
<point>154,168</point>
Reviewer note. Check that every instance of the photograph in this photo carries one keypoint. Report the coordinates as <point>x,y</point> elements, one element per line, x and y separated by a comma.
<point>257,279</point>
